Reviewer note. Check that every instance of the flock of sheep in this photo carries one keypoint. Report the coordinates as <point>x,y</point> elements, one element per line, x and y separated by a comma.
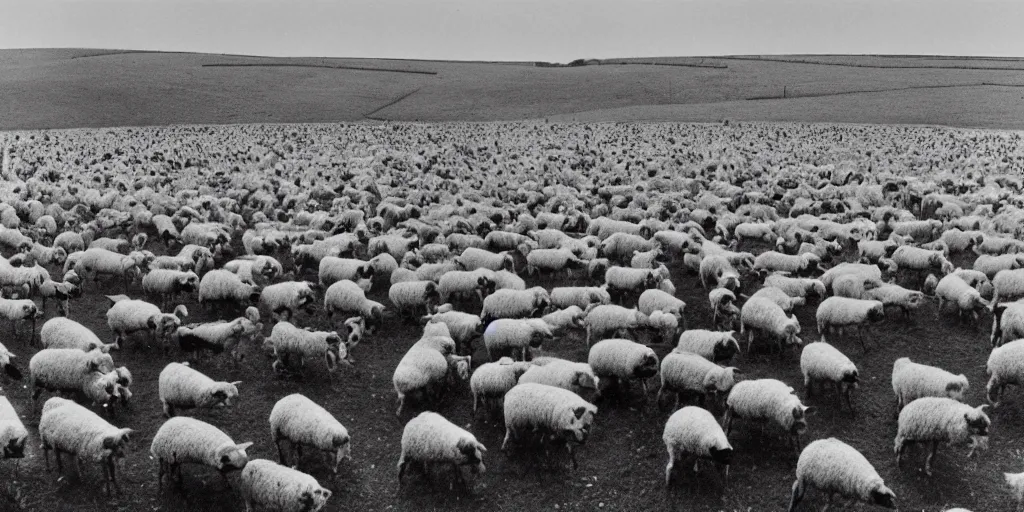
<point>266,232</point>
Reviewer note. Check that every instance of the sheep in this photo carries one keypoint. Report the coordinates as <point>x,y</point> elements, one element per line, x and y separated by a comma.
<point>259,270</point>
<point>464,327</point>
<point>67,427</point>
<point>63,292</point>
<point>60,332</point>
<point>272,486</point>
<point>579,296</point>
<point>17,310</point>
<point>560,413</point>
<point>763,315</point>
<point>333,269</point>
<point>490,381</point>
<point>620,281</point>
<point>96,261</point>
<point>714,346</point>
<point>844,312</point>
<point>68,370</point>
<point>622,246</point>
<point>216,337</point>
<point>936,420</point>
<point>167,284</point>
<point>181,387</point>
<point>796,287</point>
<point>869,272</point>
<point>411,295</point>
<point>724,312</point>
<point>473,258</point>
<point>561,320</point>
<point>688,373</point>
<point>657,300</point>
<point>1016,483</point>
<point>992,265</point>
<point>1005,367</point>
<point>284,299</point>
<point>303,422</point>
<point>911,381</point>
<point>1007,322</point>
<point>835,467</point>
<point>767,399</point>
<point>870,251</point>
<point>515,303</point>
<point>1008,285</point>
<point>346,297</point>
<point>287,340</point>
<point>573,376</point>
<point>754,231</point>
<point>620,361</point>
<point>853,286</point>
<point>425,368</point>
<point>716,271</point>
<point>459,283</point>
<point>609,318</point>
<point>517,335</point>
<point>894,295</point>
<point>953,289</point>
<point>779,297</point>
<point>12,432</point>
<point>552,260</point>
<point>772,261</point>
<point>692,431</point>
<point>184,440</point>
<point>129,316</point>
<point>431,439</point>
<point>222,285</point>
<point>820,362</point>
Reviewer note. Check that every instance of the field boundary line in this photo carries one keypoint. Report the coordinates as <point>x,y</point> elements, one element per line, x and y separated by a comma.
<point>290,65</point>
<point>390,103</point>
<point>874,66</point>
<point>790,96</point>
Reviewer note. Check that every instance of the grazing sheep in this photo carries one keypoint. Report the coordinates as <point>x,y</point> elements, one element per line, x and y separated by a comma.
<point>941,420</point>
<point>724,312</point>
<point>346,297</point>
<point>687,373</point>
<point>1016,483</point>
<point>217,337</point>
<point>835,467</point>
<point>431,439</point>
<point>714,346</point>
<point>490,381</point>
<point>515,335</point>
<point>426,367</point>
<point>1005,367</point>
<point>843,312</point>
<point>462,284</point>
<point>333,269</point>
<point>557,412</point>
<point>779,297</point>
<point>561,320</point>
<point>17,310</point>
<point>288,340</point>
<point>409,296</point>
<point>992,265</point>
<point>580,296</point>
<point>60,332</point>
<point>303,422</point>
<point>573,376</point>
<point>953,289</point>
<point>12,432</point>
<point>67,427</point>
<point>284,299</point>
<point>552,260</point>
<point>911,381</point>
<point>168,284</point>
<point>181,387</point>
<point>692,431</point>
<point>185,440</point>
<point>225,286</point>
<point>761,315</point>
<point>771,400</point>
<point>772,261</point>
<point>1007,322</point>
<point>609,318</point>
<point>795,286</point>
<point>272,486</point>
<point>463,327</point>
<point>894,295</point>
<point>621,361</point>
<point>1008,285</point>
<point>716,271</point>
<point>515,303</point>
<point>68,370</point>
<point>821,362</point>
<point>127,316</point>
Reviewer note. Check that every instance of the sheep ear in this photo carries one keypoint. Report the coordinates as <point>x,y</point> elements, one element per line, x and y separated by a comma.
<point>579,412</point>
<point>236,383</point>
<point>151,323</point>
<point>953,386</point>
<point>983,407</point>
<point>243,446</point>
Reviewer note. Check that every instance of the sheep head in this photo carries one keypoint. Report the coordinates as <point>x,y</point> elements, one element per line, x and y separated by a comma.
<point>232,457</point>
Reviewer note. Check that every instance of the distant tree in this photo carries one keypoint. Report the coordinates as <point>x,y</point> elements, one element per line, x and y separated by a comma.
<point>577,63</point>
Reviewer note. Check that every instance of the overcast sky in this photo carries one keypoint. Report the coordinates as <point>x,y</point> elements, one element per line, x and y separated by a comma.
<point>551,30</point>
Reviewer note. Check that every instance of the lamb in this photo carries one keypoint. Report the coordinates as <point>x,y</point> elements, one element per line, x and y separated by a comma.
<point>579,296</point>
<point>515,335</point>
<point>259,270</point>
<point>621,361</point>
<point>284,299</point>
<point>515,303</point>
<point>67,427</point>
<point>754,231</point>
<point>843,312</point>
<point>821,362</point>
<point>560,413</point>
<point>921,260</point>
<point>426,367</point>
<point>767,399</point>
<point>68,370</point>
<point>412,295</point>
<point>552,260</point>
<point>129,316</point>
<point>217,337</point>
<point>953,289</point>
<point>870,251</point>
<point>603,319</point>
<point>12,432</point>
<point>490,381</point>
<point>183,440</point>
<point>764,316</point>
<point>431,439</point>
<point>346,297</point>
<point>835,467</point>
<point>687,373</point>
<point>936,420</point>
<point>894,295</point>
<point>303,422</point>
<point>911,381</point>
<point>61,332</point>
<point>779,297</point>
<point>622,246</point>
<point>869,272</point>
<point>561,320</point>
<point>796,287</point>
<point>853,286</point>
<point>715,270</point>
<point>272,486</point>
<point>287,340</point>
<point>181,387</point>
<point>1008,285</point>
<point>17,310</point>
<point>63,292</point>
<point>1007,323</point>
<point>1005,367</point>
<point>333,269</point>
<point>714,346</point>
<point>464,327</point>
<point>692,431</point>
<point>623,280</point>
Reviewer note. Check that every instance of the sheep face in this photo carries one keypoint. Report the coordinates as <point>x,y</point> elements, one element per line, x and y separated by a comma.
<point>883,497</point>
<point>957,388</point>
<point>726,347</point>
<point>799,419</point>
<point>313,500</point>
<point>232,457</point>
<point>472,455</point>
<point>577,425</point>
<point>876,313</point>
<point>117,443</point>
<point>223,394</point>
<point>721,456</point>
<point>647,368</point>
<point>188,282</point>
<point>977,421</point>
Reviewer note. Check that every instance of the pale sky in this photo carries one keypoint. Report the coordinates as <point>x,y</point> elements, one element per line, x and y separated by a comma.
<point>549,30</point>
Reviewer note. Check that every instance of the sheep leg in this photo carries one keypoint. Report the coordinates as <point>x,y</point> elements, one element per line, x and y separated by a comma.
<point>161,471</point>
<point>280,451</point>
<point>860,336</point>
<point>798,494</point>
<point>508,437</point>
<point>60,463</point>
<point>899,452</point>
<point>728,421</point>
<point>572,455</point>
<point>928,460</point>
<point>668,468</point>
<point>46,455</point>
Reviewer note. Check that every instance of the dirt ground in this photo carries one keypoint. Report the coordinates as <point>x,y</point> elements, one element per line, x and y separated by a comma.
<point>621,466</point>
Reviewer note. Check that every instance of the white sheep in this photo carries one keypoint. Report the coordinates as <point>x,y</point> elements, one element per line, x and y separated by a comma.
<point>620,281</point>
<point>646,259</point>
<point>287,340</point>
<point>490,381</point>
<point>272,486</point>
<point>431,439</point>
<point>303,422</point>
<point>69,370</point>
<point>621,361</point>
<point>473,258</point>
<point>1008,285</point>
<point>128,316</point>
<point>796,286</point>
<point>67,427</point>
<point>168,284</point>
<point>776,295</point>
<point>911,381</point>
<point>761,315</point>
<point>61,332</point>
<point>935,420</point>
<point>426,368</point>
<point>771,261</point>
<point>515,303</point>
<point>1015,481</point>
<point>463,327</point>
<point>714,346</point>
<point>716,271</point>
<point>12,432</point>
<point>657,300</point>
<point>579,296</point>
<point>333,269</point>
<point>692,431</point>
<point>835,467</point>
<point>62,292</point>
<point>771,400</point>
<point>515,335</point>
<point>609,318</point>
<point>18,310</point>
<point>560,413</point>
<point>184,440</point>
<point>216,337</point>
<point>1005,367</point>
<point>992,265</point>
<point>573,376</point>
<point>561,320</point>
<point>821,362</point>
<point>224,286</point>
<point>1007,322</point>
<point>409,296</point>
<point>953,289</point>
<point>688,373</point>
<point>181,387</point>
<point>95,262</point>
<point>920,260</point>
<point>843,312</point>
<point>347,297</point>
<point>552,260</point>
<point>725,314</point>
<point>894,295</point>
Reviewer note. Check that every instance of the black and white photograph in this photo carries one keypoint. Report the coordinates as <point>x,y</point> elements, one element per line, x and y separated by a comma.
<point>511,255</point>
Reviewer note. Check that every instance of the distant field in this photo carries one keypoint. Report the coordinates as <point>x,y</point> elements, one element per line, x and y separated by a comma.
<point>90,88</point>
